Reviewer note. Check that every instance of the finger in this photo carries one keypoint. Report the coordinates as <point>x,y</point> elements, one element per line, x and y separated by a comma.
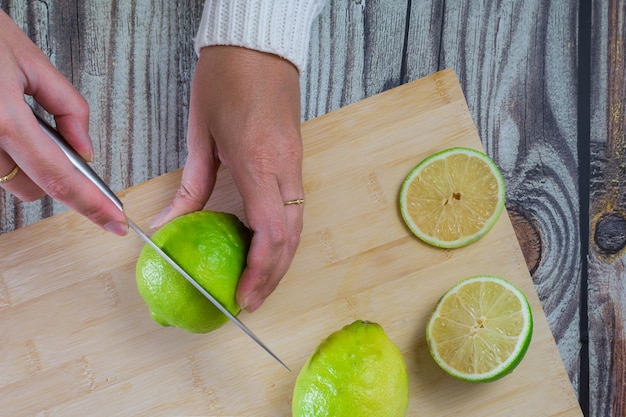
<point>48,167</point>
<point>197,183</point>
<point>294,222</point>
<point>57,96</point>
<point>276,236</point>
<point>276,227</point>
<point>268,225</point>
<point>20,185</point>
<point>199,173</point>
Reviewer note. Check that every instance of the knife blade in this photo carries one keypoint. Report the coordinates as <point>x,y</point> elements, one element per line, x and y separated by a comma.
<point>81,165</point>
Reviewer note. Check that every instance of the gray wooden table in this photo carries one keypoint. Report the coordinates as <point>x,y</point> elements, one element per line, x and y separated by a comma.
<point>545,81</point>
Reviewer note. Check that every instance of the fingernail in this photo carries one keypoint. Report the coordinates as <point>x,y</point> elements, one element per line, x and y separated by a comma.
<point>250,298</point>
<point>90,157</point>
<point>117,228</point>
<point>254,306</point>
<point>158,219</point>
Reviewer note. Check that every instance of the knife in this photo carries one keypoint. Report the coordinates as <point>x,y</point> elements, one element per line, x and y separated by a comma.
<point>81,165</point>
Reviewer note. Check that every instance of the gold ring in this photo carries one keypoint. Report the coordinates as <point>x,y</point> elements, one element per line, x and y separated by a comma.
<point>296,201</point>
<point>10,175</point>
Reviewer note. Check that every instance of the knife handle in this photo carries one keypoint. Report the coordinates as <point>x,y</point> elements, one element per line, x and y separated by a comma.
<point>78,162</point>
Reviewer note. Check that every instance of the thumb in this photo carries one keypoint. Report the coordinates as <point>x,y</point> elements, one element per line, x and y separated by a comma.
<point>197,183</point>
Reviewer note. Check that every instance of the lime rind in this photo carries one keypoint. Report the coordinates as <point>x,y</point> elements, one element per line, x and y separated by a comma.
<point>516,356</point>
<point>212,248</point>
<point>466,240</point>
<point>355,371</point>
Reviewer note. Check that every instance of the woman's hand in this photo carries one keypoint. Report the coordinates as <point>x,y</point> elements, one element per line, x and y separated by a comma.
<point>245,113</point>
<point>43,167</point>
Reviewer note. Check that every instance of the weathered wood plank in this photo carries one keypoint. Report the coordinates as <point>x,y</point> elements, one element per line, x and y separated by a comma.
<point>607,257</point>
<point>517,64</point>
<point>355,52</point>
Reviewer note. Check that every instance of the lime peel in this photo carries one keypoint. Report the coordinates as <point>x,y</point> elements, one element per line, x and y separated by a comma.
<point>452,198</point>
<point>212,247</point>
<point>355,371</point>
<point>468,329</point>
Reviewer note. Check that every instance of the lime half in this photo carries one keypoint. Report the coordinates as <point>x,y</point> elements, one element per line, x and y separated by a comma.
<point>480,329</point>
<point>453,197</point>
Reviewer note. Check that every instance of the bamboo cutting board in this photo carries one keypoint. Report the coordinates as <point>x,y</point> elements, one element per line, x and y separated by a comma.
<point>77,338</point>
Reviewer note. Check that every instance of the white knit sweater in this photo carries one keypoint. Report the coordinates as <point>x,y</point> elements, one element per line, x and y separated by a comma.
<point>280,27</point>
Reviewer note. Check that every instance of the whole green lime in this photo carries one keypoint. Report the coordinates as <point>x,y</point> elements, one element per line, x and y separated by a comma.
<point>212,247</point>
<point>356,371</point>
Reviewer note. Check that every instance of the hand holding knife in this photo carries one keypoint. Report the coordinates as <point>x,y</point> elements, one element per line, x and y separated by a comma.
<point>80,164</point>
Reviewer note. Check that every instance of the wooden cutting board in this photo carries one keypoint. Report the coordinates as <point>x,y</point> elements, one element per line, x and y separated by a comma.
<point>77,338</point>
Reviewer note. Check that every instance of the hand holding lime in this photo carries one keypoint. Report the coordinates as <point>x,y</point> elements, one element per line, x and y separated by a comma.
<point>212,247</point>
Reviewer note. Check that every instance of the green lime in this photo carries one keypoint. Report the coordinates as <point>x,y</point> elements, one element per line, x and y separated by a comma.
<point>212,247</point>
<point>453,197</point>
<point>356,371</point>
<point>480,329</point>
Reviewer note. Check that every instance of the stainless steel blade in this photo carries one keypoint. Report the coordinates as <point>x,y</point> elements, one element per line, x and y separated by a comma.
<point>204,292</point>
<point>80,164</point>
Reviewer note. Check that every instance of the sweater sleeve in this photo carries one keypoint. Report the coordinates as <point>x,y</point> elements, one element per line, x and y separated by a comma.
<point>280,27</point>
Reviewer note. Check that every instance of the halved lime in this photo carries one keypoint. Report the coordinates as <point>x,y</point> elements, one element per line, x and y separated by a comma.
<point>480,329</point>
<point>453,197</point>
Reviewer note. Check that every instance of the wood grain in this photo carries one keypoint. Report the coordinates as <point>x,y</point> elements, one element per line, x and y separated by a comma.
<point>511,57</point>
<point>101,354</point>
<point>516,62</point>
<point>607,280</point>
<point>355,52</point>
<point>517,65</point>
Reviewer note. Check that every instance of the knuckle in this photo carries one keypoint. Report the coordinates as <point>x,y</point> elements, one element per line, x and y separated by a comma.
<point>64,191</point>
<point>95,212</point>
<point>294,240</point>
<point>272,156</point>
<point>184,193</point>
<point>5,122</point>
<point>7,127</point>
<point>30,196</point>
<point>82,108</point>
<point>258,280</point>
<point>188,195</point>
<point>277,235</point>
<point>58,188</point>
